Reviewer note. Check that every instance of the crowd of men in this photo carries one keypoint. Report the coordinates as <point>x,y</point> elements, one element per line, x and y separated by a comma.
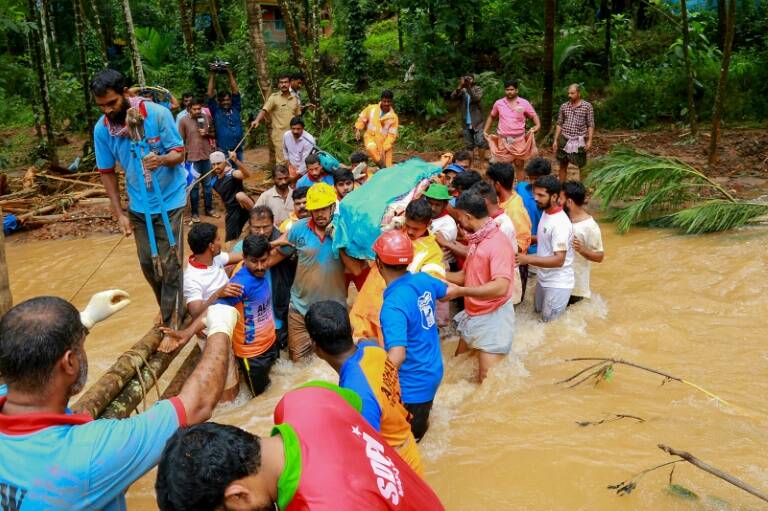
<point>467,246</point>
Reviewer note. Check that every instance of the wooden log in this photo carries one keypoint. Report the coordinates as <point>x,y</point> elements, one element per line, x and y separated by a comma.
<point>134,393</point>
<point>6,299</point>
<point>109,386</point>
<point>72,181</point>
<point>53,207</point>
<point>63,217</point>
<point>183,373</point>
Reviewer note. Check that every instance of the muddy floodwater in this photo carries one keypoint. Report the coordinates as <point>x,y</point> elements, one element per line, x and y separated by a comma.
<point>695,307</point>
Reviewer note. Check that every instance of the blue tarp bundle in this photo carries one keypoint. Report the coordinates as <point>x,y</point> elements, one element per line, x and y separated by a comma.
<point>10,224</point>
<point>357,224</point>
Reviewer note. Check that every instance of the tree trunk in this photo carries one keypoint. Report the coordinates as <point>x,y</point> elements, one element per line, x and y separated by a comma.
<point>399,27</point>
<point>42,80</point>
<point>549,70</point>
<point>315,83</point>
<point>213,6</point>
<point>138,68</point>
<point>36,113</point>
<point>688,67</point>
<point>96,21</point>
<point>722,18</point>
<point>77,7</point>
<point>186,29</point>
<point>605,10</point>
<point>51,27</point>
<point>6,299</point>
<point>298,56</point>
<point>43,34</point>
<point>717,110</point>
<point>259,49</point>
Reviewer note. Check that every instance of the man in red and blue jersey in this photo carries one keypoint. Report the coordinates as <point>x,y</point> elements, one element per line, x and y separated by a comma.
<point>51,458</point>
<point>366,370</point>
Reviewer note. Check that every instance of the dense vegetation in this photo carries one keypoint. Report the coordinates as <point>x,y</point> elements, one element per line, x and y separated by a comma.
<point>628,55</point>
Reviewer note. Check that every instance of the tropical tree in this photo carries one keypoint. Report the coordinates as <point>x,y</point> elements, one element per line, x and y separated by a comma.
<point>186,28</point>
<point>42,79</point>
<point>296,51</point>
<point>549,71</point>
<point>77,9</point>
<point>717,109</point>
<point>259,50</point>
<point>355,54</point>
<point>138,68</point>
<point>688,66</point>
<point>637,188</point>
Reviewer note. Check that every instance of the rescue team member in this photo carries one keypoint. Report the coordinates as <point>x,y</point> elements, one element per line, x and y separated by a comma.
<point>253,340</point>
<point>380,123</point>
<point>487,323</point>
<point>282,106</point>
<point>428,257</point>
<point>319,274</point>
<point>554,257</point>
<point>281,275</point>
<point>365,369</point>
<point>409,324</point>
<point>315,173</point>
<point>228,183</point>
<point>322,455</point>
<point>299,197</point>
<point>54,459</point>
<point>112,145</point>
<point>205,281</point>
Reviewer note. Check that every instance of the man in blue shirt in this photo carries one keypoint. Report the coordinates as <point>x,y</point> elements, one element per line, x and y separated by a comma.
<point>536,167</point>
<point>225,109</point>
<point>315,173</point>
<point>409,325</point>
<point>162,153</point>
<point>55,459</point>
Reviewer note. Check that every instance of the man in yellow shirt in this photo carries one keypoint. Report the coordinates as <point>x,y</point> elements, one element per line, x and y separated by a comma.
<point>502,177</point>
<point>427,257</point>
<point>282,106</point>
<point>380,123</point>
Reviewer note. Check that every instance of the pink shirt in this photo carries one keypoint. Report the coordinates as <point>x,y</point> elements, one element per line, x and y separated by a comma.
<point>492,258</point>
<point>512,117</point>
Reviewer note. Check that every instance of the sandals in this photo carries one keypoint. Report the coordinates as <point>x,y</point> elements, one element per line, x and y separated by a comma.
<point>194,220</point>
<point>212,214</point>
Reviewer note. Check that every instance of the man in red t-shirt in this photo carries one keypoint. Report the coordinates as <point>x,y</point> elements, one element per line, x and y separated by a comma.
<point>322,456</point>
<point>487,324</point>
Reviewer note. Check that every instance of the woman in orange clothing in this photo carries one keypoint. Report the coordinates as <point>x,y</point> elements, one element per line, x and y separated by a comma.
<point>380,123</point>
<point>428,257</point>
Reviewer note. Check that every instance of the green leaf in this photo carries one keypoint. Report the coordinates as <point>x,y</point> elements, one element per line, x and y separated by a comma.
<point>608,374</point>
<point>682,492</point>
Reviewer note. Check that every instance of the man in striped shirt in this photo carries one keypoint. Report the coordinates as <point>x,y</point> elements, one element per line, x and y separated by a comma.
<point>573,135</point>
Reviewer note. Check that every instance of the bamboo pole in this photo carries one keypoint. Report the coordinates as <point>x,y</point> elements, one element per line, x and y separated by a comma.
<point>696,462</point>
<point>109,386</point>
<point>6,299</point>
<point>183,373</point>
<point>73,181</point>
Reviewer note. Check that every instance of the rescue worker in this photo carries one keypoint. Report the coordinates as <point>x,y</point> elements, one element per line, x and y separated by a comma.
<point>380,123</point>
<point>322,454</point>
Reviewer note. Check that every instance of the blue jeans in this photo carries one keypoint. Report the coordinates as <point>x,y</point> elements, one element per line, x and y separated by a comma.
<point>202,167</point>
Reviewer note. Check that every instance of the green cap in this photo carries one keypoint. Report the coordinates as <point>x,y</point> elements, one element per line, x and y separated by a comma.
<point>438,191</point>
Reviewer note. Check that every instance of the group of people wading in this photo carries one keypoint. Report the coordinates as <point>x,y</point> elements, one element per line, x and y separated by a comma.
<point>456,257</point>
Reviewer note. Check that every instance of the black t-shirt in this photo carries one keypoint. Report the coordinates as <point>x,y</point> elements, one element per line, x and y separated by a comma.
<point>283,274</point>
<point>228,186</point>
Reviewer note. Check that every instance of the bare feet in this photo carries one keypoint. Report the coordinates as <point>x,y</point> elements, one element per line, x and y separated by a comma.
<point>159,319</point>
<point>169,344</point>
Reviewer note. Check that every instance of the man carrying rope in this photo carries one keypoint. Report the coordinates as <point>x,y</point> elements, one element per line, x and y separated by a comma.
<point>71,461</point>
<point>154,180</point>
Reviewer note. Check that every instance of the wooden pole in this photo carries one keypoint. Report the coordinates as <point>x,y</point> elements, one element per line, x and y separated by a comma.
<point>6,299</point>
<point>696,462</point>
<point>717,108</point>
<point>109,386</point>
<point>183,373</point>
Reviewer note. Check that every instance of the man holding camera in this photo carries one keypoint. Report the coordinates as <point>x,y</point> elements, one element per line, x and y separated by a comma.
<point>469,96</point>
<point>225,109</point>
<point>196,131</point>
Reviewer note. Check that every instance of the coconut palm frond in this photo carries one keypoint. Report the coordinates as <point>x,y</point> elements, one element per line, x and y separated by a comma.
<point>627,175</point>
<point>714,216</point>
<point>648,208</point>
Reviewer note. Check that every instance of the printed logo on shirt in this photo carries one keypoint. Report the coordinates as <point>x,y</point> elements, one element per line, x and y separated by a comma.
<point>11,497</point>
<point>387,474</point>
<point>426,309</point>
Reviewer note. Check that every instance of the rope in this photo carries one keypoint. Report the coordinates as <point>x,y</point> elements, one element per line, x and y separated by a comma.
<point>140,376</point>
<point>122,237</point>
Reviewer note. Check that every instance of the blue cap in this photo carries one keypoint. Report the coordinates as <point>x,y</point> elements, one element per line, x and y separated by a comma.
<point>455,168</point>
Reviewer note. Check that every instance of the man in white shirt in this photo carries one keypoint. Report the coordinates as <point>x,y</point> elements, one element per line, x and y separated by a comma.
<point>297,145</point>
<point>554,257</point>
<point>444,226</point>
<point>587,239</point>
<point>205,281</point>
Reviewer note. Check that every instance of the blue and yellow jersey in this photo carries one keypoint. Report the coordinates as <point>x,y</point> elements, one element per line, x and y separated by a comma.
<point>373,377</point>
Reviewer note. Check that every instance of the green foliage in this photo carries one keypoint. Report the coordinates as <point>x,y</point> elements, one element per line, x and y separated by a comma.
<point>155,48</point>
<point>681,492</point>
<point>355,53</point>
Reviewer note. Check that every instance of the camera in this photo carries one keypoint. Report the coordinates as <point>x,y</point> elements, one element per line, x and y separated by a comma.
<point>219,66</point>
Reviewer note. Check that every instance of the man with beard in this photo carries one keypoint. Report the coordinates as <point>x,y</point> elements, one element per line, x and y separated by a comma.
<point>512,143</point>
<point>225,110</point>
<point>56,459</point>
<point>487,324</point>
<point>297,145</point>
<point>279,198</point>
<point>299,196</point>
<point>282,106</point>
<point>380,123</point>
<point>554,256</point>
<point>112,145</point>
<point>196,130</point>
<point>319,274</point>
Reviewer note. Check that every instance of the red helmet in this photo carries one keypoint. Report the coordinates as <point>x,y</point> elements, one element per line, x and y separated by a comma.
<point>394,248</point>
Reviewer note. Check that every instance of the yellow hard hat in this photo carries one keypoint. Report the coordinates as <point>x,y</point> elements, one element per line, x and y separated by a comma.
<point>319,196</point>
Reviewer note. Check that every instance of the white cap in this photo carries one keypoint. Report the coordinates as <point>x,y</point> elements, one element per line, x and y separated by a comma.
<point>218,157</point>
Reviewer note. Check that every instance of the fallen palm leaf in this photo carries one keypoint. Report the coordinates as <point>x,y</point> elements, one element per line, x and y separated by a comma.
<point>640,188</point>
<point>616,417</point>
<point>603,369</point>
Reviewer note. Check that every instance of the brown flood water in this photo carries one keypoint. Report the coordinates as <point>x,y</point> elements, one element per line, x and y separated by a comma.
<point>696,307</point>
